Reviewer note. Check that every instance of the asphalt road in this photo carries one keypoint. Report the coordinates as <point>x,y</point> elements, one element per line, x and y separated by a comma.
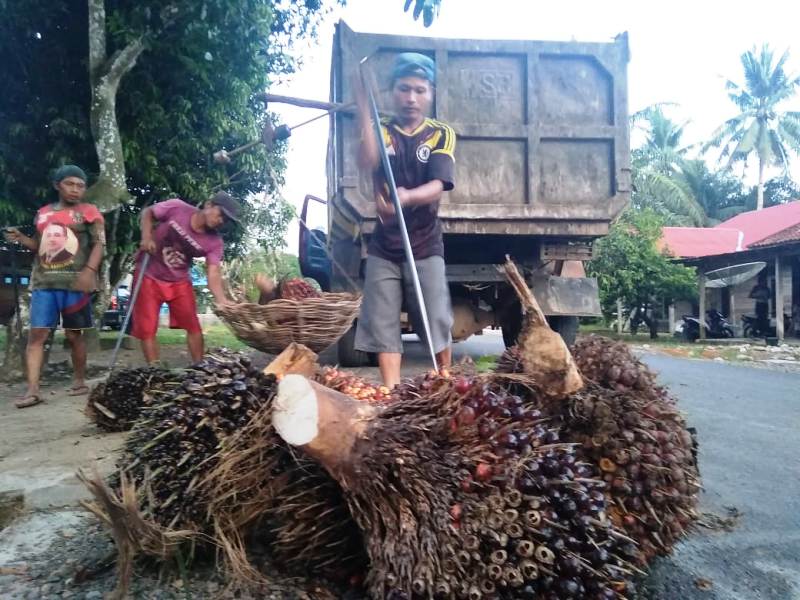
<point>748,423</point>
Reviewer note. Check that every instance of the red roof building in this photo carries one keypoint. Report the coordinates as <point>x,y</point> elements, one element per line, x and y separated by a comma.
<point>756,228</point>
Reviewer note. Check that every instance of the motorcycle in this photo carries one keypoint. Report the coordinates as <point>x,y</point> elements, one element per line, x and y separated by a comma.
<point>715,324</point>
<point>752,328</point>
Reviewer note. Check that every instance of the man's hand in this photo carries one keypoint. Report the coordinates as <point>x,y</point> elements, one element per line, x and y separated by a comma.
<point>86,281</point>
<point>12,234</point>
<point>385,210</point>
<point>223,302</point>
<point>148,245</point>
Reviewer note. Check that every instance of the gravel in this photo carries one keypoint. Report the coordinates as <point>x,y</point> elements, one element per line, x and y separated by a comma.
<point>38,562</point>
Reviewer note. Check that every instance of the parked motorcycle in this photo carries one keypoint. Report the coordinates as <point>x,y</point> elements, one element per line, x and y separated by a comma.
<point>715,324</point>
<point>752,328</point>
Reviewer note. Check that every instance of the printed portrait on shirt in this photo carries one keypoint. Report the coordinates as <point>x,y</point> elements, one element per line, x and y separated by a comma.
<point>58,246</point>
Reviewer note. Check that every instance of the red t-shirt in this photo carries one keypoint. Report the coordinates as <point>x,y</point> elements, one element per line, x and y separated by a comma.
<point>66,237</point>
<point>177,243</point>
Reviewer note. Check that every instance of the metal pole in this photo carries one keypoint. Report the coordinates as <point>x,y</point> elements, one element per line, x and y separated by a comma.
<point>134,294</point>
<point>401,222</point>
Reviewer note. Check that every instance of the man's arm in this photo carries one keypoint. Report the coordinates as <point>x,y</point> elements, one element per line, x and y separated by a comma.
<point>13,234</point>
<point>87,278</point>
<point>368,156</point>
<point>214,275</point>
<point>427,193</point>
<point>147,244</point>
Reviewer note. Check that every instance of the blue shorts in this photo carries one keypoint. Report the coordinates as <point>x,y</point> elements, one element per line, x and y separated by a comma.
<point>73,308</point>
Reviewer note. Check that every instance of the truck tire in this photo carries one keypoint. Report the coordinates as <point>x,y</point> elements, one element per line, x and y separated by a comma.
<point>348,356</point>
<point>511,324</point>
<point>567,327</point>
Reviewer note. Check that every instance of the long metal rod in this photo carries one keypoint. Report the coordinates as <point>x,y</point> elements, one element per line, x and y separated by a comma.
<point>134,294</point>
<point>401,222</point>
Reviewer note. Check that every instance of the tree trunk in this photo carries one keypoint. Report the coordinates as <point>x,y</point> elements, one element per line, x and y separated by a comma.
<point>105,75</point>
<point>760,190</point>
<point>110,190</point>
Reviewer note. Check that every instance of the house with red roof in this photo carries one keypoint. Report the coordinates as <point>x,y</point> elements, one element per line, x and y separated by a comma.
<point>732,257</point>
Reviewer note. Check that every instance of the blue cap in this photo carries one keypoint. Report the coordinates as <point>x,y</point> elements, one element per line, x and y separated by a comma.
<point>413,64</point>
<point>65,171</point>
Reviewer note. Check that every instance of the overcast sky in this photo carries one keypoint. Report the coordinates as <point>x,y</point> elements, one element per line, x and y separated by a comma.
<point>681,51</point>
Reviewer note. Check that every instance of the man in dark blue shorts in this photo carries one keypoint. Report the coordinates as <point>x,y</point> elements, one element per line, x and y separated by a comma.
<point>421,155</point>
<point>69,242</point>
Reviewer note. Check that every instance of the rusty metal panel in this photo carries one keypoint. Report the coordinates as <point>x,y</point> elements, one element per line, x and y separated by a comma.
<point>489,172</point>
<point>487,89</point>
<point>575,171</point>
<point>574,90</point>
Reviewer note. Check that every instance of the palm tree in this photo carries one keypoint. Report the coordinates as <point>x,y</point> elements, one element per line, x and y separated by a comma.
<point>657,170</point>
<point>761,126</point>
<point>662,149</point>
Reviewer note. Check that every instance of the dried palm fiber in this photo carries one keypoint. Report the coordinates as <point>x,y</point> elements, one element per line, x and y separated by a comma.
<point>133,533</point>
<point>115,404</point>
<point>435,482</point>
<point>259,488</point>
<point>155,492</point>
<point>630,429</point>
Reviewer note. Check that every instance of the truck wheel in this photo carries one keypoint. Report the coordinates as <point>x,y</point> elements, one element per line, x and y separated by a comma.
<point>348,356</point>
<point>511,324</point>
<point>567,327</point>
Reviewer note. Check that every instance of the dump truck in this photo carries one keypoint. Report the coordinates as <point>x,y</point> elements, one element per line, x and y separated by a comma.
<point>542,168</point>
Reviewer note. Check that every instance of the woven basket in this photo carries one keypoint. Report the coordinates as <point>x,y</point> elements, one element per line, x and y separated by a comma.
<point>313,322</point>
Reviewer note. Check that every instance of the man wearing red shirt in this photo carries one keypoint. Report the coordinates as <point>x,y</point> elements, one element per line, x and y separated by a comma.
<point>69,242</point>
<point>182,232</point>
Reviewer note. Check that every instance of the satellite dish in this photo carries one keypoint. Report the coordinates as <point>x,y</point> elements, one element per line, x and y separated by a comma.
<point>726,276</point>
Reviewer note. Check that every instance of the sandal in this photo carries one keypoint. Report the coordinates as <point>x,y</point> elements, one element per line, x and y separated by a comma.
<point>78,390</point>
<point>29,400</point>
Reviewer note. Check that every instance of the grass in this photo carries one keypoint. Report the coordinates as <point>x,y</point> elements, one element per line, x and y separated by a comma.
<point>215,335</point>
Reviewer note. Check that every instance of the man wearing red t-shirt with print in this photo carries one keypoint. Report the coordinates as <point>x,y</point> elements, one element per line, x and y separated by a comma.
<point>69,242</point>
<point>182,233</point>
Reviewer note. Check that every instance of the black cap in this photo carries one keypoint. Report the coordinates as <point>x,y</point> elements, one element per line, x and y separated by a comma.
<point>229,207</point>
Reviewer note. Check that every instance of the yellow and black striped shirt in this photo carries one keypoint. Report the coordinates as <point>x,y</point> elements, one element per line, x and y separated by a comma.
<point>423,155</point>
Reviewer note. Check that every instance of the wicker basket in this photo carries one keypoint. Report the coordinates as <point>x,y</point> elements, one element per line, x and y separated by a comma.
<point>313,322</point>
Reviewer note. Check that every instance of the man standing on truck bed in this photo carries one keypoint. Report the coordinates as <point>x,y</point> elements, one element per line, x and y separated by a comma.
<point>69,241</point>
<point>421,155</point>
<point>183,232</point>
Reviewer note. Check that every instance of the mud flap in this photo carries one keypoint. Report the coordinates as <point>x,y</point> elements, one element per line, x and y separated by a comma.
<point>575,296</point>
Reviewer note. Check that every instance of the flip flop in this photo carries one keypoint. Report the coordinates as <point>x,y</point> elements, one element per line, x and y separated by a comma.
<point>29,400</point>
<point>80,390</point>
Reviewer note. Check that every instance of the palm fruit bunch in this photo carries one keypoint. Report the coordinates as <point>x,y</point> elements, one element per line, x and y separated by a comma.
<point>612,365</point>
<point>464,490</point>
<point>114,405</point>
<point>632,430</point>
<point>177,437</point>
<point>296,288</point>
<point>353,385</point>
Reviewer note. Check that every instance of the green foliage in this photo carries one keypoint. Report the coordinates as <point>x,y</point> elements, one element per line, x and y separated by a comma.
<point>683,191</point>
<point>240,272</point>
<point>629,266</point>
<point>429,9</point>
<point>193,91</point>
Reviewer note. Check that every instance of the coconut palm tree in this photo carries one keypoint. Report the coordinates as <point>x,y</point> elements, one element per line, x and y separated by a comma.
<point>761,127</point>
<point>657,170</point>
<point>662,149</point>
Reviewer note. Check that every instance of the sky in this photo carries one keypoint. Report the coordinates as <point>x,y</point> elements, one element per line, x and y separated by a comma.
<point>681,52</point>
